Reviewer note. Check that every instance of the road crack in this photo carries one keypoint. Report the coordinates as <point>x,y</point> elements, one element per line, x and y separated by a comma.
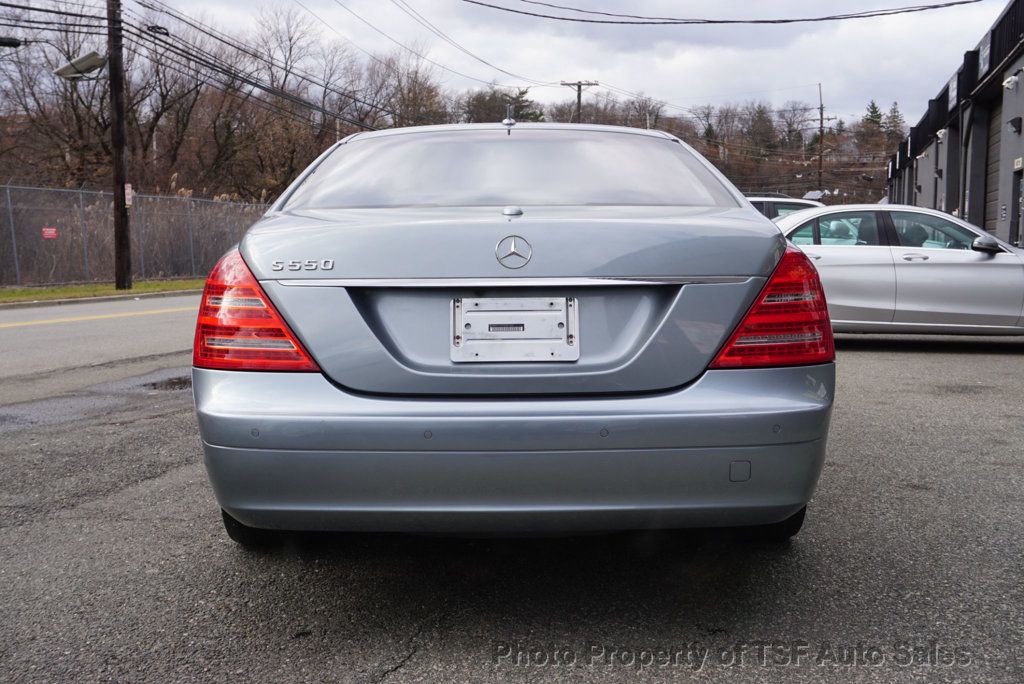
<point>412,645</point>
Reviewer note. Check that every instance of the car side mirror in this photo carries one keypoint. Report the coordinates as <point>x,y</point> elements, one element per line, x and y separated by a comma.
<point>986,244</point>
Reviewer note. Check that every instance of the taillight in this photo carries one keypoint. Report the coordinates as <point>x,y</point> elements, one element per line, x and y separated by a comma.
<point>788,324</point>
<point>239,329</point>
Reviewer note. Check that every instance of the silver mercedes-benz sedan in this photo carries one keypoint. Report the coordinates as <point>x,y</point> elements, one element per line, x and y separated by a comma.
<point>892,268</point>
<point>512,328</point>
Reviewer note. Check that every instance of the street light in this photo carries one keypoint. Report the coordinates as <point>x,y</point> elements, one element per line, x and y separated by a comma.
<point>9,42</point>
<point>80,67</point>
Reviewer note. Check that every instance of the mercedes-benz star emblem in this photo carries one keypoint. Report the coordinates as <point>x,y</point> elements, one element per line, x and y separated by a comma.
<point>513,252</point>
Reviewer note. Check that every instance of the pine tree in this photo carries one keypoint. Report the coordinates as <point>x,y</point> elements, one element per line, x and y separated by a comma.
<point>894,126</point>
<point>523,108</point>
<point>868,135</point>
<point>760,129</point>
<point>488,105</point>
<point>873,115</point>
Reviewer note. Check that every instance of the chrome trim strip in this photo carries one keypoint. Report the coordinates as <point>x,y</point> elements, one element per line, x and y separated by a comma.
<point>509,282</point>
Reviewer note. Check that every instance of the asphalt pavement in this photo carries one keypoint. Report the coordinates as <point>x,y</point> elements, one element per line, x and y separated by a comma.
<point>48,350</point>
<point>114,565</point>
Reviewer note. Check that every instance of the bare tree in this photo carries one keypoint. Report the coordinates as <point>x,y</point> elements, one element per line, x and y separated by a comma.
<point>643,112</point>
<point>288,39</point>
<point>793,119</point>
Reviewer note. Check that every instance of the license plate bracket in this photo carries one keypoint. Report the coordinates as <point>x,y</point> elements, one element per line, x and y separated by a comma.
<point>514,330</point>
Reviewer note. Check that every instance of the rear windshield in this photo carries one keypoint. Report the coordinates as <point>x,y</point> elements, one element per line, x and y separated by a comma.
<point>528,167</point>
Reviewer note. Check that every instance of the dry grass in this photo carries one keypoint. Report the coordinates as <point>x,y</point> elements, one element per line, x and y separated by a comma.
<point>39,294</point>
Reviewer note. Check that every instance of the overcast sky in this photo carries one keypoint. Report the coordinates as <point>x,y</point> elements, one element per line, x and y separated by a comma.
<point>904,58</point>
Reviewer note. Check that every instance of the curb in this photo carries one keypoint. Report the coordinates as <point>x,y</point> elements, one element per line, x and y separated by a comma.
<point>94,300</point>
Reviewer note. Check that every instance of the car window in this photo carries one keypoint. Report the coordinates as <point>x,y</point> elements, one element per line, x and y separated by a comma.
<point>783,208</point>
<point>849,228</point>
<point>804,235</point>
<point>760,206</point>
<point>489,167</point>
<point>930,232</point>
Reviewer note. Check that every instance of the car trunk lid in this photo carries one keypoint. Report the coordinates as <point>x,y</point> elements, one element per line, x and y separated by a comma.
<point>374,294</point>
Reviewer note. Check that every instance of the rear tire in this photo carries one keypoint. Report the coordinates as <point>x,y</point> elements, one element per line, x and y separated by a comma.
<point>248,537</point>
<point>779,532</point>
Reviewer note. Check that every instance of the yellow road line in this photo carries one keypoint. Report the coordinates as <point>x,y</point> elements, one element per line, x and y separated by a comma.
<point>99,317</point>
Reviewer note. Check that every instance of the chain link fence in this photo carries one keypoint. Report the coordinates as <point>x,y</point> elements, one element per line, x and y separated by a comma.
<point>52,236</point>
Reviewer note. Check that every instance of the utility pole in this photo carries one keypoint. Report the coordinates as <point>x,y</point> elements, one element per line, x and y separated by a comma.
<point>821,137</point>
<point>122,230</point>
<point>578,85</point>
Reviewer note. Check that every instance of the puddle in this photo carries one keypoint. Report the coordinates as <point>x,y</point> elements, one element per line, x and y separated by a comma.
<point>171,384</point>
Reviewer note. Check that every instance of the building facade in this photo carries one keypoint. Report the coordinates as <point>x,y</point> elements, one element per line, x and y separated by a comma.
<point>966,154</point>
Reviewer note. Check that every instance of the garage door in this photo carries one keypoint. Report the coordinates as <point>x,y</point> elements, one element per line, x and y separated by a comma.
<point>995,133</point>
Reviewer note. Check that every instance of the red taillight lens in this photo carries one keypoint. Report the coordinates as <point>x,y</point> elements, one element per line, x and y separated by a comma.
<point>239,329</point>
<point>788,324</point>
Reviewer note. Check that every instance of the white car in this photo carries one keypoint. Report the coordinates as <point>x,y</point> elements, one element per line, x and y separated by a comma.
<point>777,206</point>
<point>903,269</point>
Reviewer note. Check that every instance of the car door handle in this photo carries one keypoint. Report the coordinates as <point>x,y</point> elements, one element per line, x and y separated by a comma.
<point>915,257</point>
<point>813,256</point>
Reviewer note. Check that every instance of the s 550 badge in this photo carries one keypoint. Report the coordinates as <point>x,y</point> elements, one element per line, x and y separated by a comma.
<point>303,265</point>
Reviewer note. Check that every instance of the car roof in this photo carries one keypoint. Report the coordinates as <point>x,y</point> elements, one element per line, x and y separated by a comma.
<point>525,125</point>
<point>776,198</point>
<point>789,220</point>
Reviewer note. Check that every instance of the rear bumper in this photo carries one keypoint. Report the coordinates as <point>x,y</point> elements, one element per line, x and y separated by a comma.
<point>292,451</point>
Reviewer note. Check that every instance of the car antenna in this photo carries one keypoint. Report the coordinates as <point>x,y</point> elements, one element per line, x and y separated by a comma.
<point>508,122</point>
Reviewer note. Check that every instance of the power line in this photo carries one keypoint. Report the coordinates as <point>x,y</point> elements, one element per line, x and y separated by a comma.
<point>415,52</point>
<point>375,58</point>
<point>66,28</point>
<point>237,76</point>
<point>406,47</point>
<point>221,84</point>
<point>249,51</point>
<point>423,21</point>
<point>213,63</point>
<point>79,4</point>
<point>679,21</point>
<point>44,10</point>
<point>235,44</point>
<point>51,22</point>
<point>214,80</point>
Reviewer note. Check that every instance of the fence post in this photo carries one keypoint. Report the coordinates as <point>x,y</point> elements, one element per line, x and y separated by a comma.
<point>141,235</point>
<point>14,239</point>
<point>191,244</point>
<point>85,234</point>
